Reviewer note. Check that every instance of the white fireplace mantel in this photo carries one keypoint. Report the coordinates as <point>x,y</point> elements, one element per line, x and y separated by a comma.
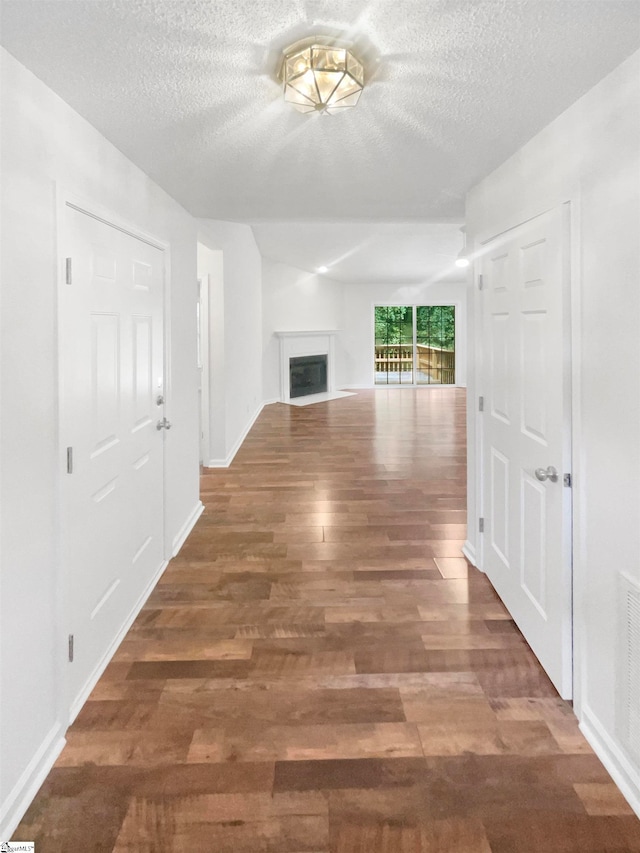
<point>294,344</point>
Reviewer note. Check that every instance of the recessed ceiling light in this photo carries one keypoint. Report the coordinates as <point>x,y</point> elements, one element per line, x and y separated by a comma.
<point>323,269</point>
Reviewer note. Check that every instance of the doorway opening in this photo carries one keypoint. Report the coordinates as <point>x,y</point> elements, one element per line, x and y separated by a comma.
<point>415,345</point>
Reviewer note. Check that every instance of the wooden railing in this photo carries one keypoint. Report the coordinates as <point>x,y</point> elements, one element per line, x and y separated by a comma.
<point>437,364</point>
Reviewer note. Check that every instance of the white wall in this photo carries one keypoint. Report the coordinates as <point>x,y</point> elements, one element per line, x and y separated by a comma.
<point>44,142</point>
<point>236,367</point>
<point>591,155</point>
<point>294,300</point>
<point>358,337</point>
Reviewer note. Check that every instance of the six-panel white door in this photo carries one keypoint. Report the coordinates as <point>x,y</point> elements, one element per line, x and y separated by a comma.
<point>525,428</point>
<point>111,375</point>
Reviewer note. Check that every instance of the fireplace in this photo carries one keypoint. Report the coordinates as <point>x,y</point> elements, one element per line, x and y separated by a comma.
<point>296,348</point>
<point>307,375</point>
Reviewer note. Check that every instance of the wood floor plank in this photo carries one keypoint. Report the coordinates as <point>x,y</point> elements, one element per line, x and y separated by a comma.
<point>320,670</point>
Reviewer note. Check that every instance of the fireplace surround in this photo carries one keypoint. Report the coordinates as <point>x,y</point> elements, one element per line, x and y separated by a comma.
<point>305,345</point>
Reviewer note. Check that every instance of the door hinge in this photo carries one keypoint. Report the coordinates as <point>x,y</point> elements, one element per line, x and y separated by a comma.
<point>481,404</point>
<point>480,282</point>
<point>67,270</point>
<point>481,525</point>
<point>567,480</point>
<point>69,460</point>
<point>70,648</point>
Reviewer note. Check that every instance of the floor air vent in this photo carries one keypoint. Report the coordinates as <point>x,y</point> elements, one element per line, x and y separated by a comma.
<point>629,672</point>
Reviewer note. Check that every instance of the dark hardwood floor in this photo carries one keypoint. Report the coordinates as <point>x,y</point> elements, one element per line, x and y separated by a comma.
<point>320,670</point>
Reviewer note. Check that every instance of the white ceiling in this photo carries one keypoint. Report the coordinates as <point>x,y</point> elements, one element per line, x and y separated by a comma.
<point>186,89</point>
<point>366,252</point>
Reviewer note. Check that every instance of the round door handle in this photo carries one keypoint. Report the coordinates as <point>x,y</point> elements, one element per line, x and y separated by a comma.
<point>549,473</point>
<point>163,424</point>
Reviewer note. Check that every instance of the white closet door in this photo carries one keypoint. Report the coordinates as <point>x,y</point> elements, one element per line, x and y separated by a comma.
<point>526,429</point>
<point>111,368</point>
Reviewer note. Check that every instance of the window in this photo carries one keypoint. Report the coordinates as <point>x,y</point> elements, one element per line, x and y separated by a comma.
<point>414,345</point>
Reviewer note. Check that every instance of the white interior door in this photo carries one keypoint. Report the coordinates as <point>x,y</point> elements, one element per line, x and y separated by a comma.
<point>526,429</point>
<point>111,378</point>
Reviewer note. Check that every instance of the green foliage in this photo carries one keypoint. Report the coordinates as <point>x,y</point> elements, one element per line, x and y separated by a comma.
<point>435,325</point>
<point>394,324</point>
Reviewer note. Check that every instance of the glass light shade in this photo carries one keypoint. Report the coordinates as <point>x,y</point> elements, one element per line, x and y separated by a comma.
<point>321,78</point>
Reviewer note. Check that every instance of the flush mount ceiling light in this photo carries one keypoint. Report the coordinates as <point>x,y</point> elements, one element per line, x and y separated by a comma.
<point>462,260</point>
<point>319,75</point>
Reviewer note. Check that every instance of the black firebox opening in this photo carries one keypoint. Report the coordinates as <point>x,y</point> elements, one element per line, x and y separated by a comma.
<point>307,375</point>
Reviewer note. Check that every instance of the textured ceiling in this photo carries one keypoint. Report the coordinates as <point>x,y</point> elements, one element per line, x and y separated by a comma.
<point>186,90</point>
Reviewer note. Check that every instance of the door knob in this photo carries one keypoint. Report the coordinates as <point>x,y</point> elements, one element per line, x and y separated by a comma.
<point>549,473</point>
<point>163,424</point>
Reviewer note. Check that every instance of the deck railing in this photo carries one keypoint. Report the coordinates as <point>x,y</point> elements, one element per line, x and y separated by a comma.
<point>438,364</point>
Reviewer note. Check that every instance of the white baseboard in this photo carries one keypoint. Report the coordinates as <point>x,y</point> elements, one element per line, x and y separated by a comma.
<point>224,463</point>
<point>469,550</point>
<point>271,402</point>
<point>113,647</point>
<point>392,387</point>
<point>621,769</point>
<point>28,785</point>
<point>180,537</point>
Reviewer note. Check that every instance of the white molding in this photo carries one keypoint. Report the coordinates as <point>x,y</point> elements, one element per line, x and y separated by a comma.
<point>29,783</point>
<point>203,367</point>
<point>621,770</point>
<point>180,537</point>
<point>307,334</point>
<point>400,387</point>
<point>91,682</point>
<point>271,402</point>
<point>224,463</point>
<point>469,551</point>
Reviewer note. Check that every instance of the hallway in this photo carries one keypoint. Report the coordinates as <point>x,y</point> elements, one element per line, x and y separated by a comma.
<point>320,670</point>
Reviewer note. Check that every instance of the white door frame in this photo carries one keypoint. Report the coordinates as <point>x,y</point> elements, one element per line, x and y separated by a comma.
<point>459,333</point>
<point>65,198</point>
<point>474,547</point>
<point>203,366</point>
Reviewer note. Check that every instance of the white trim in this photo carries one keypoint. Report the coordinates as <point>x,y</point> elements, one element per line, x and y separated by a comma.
<point>306,334</point>
<point>621,770</point>
<point>305,343</point>
<point>108,217</point>
<point>180,538</point>
<point>271,402</point>
<point>400,387</point>
<point>224,463</point>
<point>203,366</point>
<point>91,682</point>
<point>469,551</point>
<point>30,781</point>
<point>578,466</point>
